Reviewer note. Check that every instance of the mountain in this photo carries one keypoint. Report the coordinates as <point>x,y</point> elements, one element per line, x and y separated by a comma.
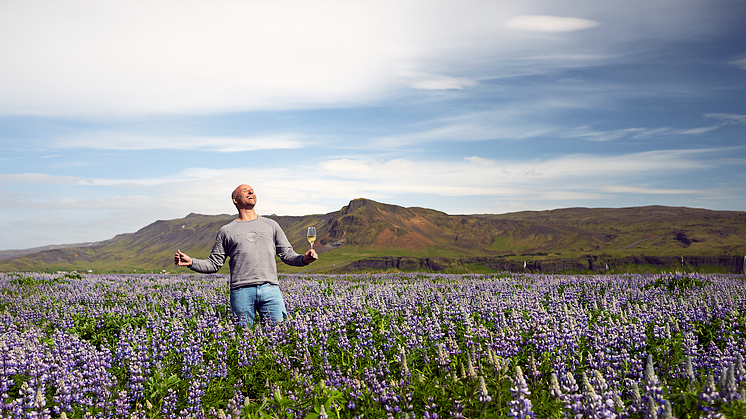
<point>370,235</point>
<point>14,253</point>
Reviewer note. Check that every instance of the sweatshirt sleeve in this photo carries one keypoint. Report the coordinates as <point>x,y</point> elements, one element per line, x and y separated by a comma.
<point>217,257</point>
<point>284,250</point>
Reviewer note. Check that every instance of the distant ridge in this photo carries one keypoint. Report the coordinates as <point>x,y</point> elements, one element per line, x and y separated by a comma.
<point>14,253</point>
<point>366,229</point>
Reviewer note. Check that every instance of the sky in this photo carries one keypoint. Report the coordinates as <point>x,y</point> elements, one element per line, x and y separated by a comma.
<point>115,114</point>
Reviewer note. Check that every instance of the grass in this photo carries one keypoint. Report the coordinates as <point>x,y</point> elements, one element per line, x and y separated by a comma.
<point>652,231</point>
<point>505,244</point>
<point>344,255</point>
<point>122,259</point>
<point>472,268</point>
<point>338,258</point>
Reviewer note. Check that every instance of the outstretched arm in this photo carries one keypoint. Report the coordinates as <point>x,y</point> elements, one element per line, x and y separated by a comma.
<point>285,251</point>
<point>181,259</point>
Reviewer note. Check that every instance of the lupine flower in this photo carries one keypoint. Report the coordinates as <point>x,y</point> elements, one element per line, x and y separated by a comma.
<point>653,390</point>
<point>429,406</point>
<point>618,403</point>
<point>458,407</point>
<point>709,394</point>
<point>569,384</point>
<point>667,412</point>
<point>533,371</point>
<point>728,390</point>
<point>470,367</point>
<point>739,371</point>
<point>467,317</point>
<point>688,369</point>
<point>594,406</point>
<point>484,396</point>
<point>443,360</point>
<point>554,386</point>
<point>572,399</point>
<point>636,405</point>
<point>651,411</point>
<point>520,406</point>
<point>403,361</point>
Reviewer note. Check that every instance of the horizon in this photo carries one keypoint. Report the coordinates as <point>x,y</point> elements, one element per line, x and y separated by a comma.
<point>115,114</point>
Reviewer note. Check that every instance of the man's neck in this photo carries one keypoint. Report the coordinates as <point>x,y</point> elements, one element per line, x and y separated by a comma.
<point>247,215</point>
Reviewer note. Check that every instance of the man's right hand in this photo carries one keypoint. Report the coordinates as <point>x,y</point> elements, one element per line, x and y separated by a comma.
<point>181,259</point>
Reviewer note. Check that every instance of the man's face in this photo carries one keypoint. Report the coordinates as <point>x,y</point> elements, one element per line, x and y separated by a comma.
<point>244,197</point>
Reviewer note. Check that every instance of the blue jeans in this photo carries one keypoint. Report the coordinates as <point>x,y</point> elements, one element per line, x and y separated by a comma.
<point>266,299</point>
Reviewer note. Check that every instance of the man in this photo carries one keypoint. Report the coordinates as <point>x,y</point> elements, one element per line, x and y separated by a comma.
<point>251,242</point>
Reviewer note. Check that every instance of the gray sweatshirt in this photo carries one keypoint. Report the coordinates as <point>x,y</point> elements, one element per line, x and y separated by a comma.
<point>251,246</point>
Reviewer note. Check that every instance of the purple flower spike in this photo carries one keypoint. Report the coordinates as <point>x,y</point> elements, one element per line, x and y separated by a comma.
<point>594,405</point>
<point>688,369</point>
<point>554,387</point>
<point>520,406</point>
<point>728,389</point>
<point>651,411</point>
<point>709,395</point>
<point>484,396</point>
<point>653,387</point>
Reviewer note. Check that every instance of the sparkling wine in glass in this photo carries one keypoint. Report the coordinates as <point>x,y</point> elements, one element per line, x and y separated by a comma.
<point>311,235</point>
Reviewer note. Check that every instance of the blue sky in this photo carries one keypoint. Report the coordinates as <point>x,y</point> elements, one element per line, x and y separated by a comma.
<point>116,114</point>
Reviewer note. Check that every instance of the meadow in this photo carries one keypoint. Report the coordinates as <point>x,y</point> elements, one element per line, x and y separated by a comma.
<point>395,345</point>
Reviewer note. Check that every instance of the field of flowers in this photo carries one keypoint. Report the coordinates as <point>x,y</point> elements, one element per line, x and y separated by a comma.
<point>375,346</point>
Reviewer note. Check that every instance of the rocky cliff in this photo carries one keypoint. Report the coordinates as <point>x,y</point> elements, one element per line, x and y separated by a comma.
<point>590,263</point>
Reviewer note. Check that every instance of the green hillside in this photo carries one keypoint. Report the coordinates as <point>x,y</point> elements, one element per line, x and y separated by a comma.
<point>367,229</point>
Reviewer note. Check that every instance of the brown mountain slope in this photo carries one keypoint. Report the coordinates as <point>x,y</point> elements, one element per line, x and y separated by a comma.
<point>366,228</point>
<point>655,229</point>
<point>376,226</point>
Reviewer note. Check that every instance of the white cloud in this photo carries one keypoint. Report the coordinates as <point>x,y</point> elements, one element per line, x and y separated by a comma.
<point>92,59</point>
<point>426,81</point>
<point>123,141</point>
<point>565,195</point>
<point>739,61</point>
<point>592,135</point>
<point>122,57</point>
<point>97,208</point>
<point>352,177</point>
<point>480,176</point>
<point>345,165</point>
<point>627,189</point>
<point>543,23</point>
<point>36,179</point>
<point>479,161</point>
<point>347,178</point>
<point>503,124</point>
<point>12,200</point>
<point>281,190</point>
<point>696,131</point>
<point>728,118</point>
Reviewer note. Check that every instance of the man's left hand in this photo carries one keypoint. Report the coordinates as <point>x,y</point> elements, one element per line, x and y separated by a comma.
<point>310,257</point>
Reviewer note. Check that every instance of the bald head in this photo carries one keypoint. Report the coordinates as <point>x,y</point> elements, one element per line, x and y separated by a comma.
<point>238,189</point>
<point>244,197</point>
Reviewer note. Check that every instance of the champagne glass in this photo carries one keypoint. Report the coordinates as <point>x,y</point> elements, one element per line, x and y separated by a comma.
<point>311,235</point>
